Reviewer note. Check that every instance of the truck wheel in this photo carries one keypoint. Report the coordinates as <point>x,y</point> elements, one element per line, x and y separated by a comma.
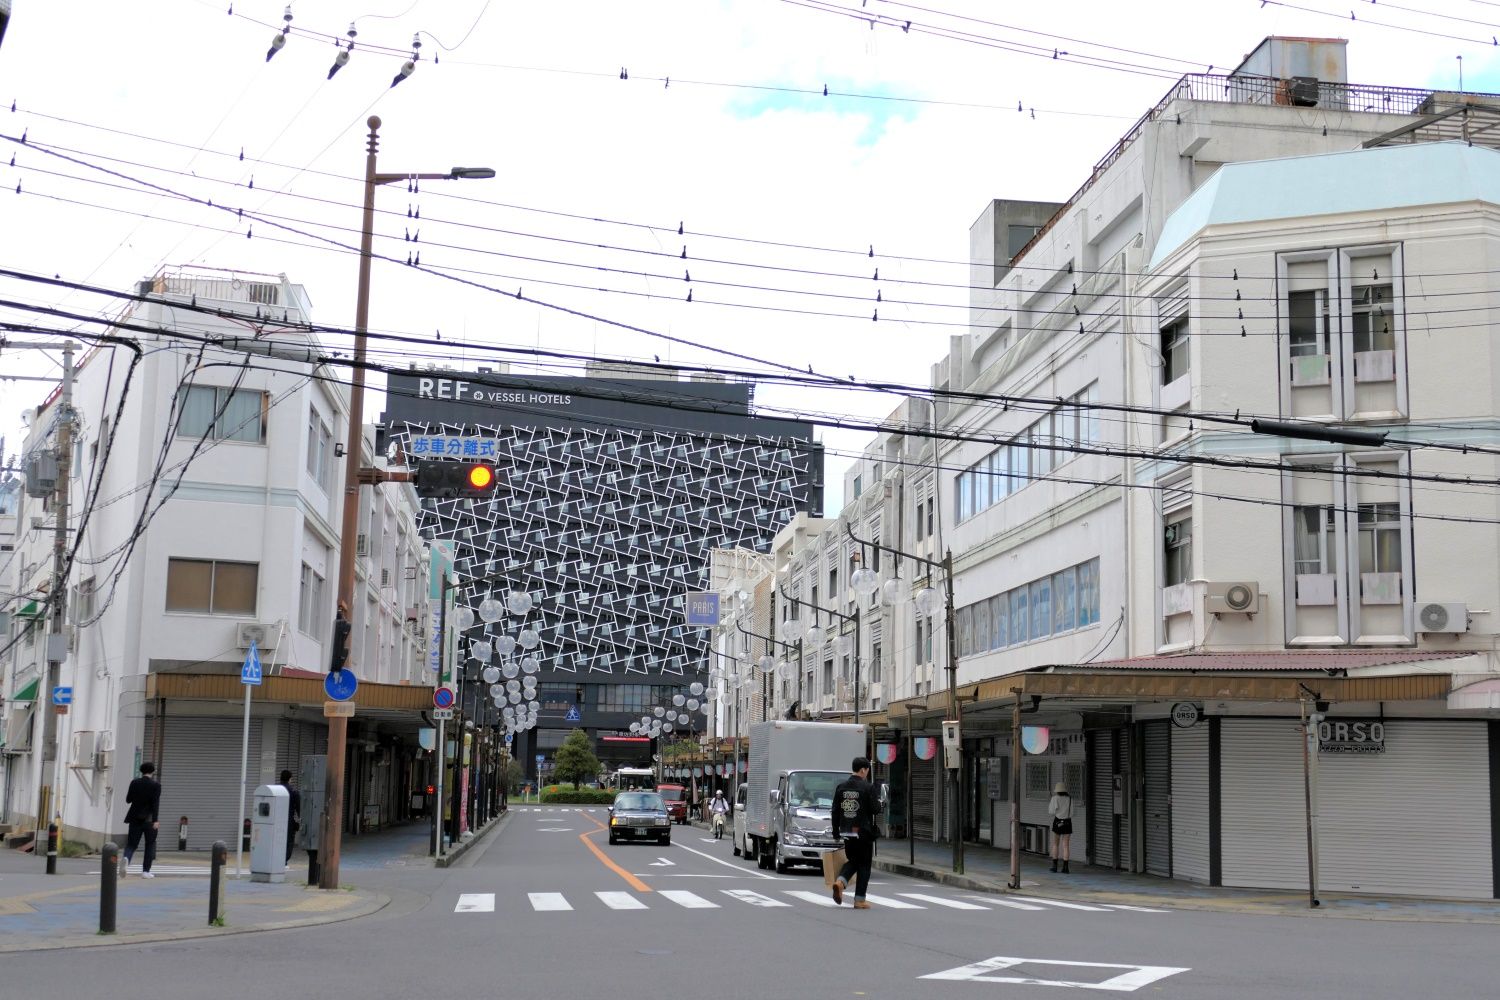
<point>781,866</point>
<point>736,848</point>
<point>767,854</point>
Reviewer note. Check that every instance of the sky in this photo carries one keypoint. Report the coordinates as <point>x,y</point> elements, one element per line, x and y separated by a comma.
<point>610,126</point>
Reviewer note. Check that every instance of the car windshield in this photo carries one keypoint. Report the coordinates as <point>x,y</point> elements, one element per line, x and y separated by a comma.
<point>638,801</point>
<point>813,789</point>
<point>671,794</point>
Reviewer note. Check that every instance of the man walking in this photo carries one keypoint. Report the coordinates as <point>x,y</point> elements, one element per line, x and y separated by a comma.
<point>144,799</point>
<point>855,806</point>
<point>293,813</point>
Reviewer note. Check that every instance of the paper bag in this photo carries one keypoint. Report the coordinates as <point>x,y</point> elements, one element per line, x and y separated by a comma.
<point>833,863</point>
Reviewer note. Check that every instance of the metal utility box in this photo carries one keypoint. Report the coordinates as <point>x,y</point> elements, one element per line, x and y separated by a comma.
<point>310,784</point>
<point>269,814</point>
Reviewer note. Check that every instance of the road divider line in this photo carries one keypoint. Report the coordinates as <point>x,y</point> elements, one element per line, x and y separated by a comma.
<point>604,859</point>
<point>726,864</point>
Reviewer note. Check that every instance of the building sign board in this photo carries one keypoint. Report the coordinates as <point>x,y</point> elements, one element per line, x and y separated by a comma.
<point>1351,736</point>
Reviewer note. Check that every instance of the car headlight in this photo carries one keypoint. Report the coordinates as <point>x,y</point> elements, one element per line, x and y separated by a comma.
<point>663,821</point>
<point>796,839</point>
<point>614,821</point>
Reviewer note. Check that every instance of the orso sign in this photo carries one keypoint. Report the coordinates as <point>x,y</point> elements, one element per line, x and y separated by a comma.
<point>1358,736</point>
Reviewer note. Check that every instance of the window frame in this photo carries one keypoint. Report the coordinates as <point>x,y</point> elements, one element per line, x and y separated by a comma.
<point>215,431</point>
<point>213,565</point>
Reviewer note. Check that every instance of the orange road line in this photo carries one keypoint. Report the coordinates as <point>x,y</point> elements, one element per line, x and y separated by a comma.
<point>630,879</point>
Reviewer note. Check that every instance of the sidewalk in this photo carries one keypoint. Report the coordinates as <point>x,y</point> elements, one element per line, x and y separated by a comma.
<point>987,869</point>
<point>40,911</point>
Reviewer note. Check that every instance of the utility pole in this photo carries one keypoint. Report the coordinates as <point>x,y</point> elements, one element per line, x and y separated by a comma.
<point>954,711</point>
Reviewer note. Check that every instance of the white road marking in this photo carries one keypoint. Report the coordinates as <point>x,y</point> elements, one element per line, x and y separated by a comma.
<point>684,898</point>
<point>1137,909</point>
<point>893,903</point>
<point>1128,981</point>
<point>620,901</point>
<point>1067,905</point>
<point>548,901</point>
<point>753,898</point>
<point>554,829</point>
<point>1006,902</point>
<point>663,863</point>
<point>726,864</point>
<point>955,904</point>
<point>811,897</point>
<point>476,902</point>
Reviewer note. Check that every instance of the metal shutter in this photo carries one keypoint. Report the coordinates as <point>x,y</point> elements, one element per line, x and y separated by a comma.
<point>1263,833</point>
<point>198,770</point>
<point>1413,820</point>
<point>1190,855</point>
<point>1109,835</point>
<point>1156,796</point>
<point>923,785</point>
<point>296,739</point>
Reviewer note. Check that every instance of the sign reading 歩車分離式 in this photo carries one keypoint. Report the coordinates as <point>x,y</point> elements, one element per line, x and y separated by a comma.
<point>1351,736</point>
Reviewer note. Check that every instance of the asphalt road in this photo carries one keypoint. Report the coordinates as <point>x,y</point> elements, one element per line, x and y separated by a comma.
<point>536,912</point>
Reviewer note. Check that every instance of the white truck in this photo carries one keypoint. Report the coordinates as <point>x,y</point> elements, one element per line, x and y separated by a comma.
<point>794,769</point>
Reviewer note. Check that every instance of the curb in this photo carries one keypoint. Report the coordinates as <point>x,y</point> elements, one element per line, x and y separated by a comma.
<point>375,902</point>
<point>446,861</point>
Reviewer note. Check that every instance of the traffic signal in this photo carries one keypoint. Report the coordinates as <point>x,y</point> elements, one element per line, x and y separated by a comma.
<point>340,654</point>
<point>446,479</point>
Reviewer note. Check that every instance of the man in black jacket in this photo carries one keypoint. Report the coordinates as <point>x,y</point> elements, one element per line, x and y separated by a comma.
<point>293,813</point>
<point>144,797</point>
<point>856,804</point>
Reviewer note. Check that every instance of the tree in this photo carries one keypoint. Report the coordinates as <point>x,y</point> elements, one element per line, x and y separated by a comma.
<point>513,776</point>
<point>575,760</point>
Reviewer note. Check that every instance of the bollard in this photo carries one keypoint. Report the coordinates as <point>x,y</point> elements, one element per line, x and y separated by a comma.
<point>314,873</point>
<point>182,834</point>
<point>108,876</point>
<point>245,836</point>
<point>51,848</point>
<point>216,883</point>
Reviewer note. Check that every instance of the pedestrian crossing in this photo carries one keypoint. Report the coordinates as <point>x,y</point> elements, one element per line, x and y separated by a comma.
<point>557,902</point>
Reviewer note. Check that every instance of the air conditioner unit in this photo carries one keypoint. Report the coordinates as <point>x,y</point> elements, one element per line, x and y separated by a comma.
<point>362,545</point>
<point>1302,91</point>
<point>246,632</point>
<point>1442,618</point>
<point>83,749</point>
<point>413,613</point>
<point>103,760</point>
<point>1233,598</point>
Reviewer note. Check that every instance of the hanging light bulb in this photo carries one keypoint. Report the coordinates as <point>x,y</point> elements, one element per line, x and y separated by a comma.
<point>514,697</point>
<point>510,669</point>
<point>895,591</point>
<point>491,610</point>
<point>692,704</point>
<point>513,687</point>
<point>679,700</point>
<point>766,664</point>
<point>783,670</point>
<point>658,711</point>
<point>864,580</point>
<point>843,645</point>
<point>519,602</point>
<point>481,650</point>
<point>496,691</point>
<point>505,645</point>
<point>791,630</point>
<point>491,674</point>
<point>695,688</point>
<point>463,619</point>
<point>635,727</point>
<point>529,638</point>
<point>530,665</point>
<point>667,727</point>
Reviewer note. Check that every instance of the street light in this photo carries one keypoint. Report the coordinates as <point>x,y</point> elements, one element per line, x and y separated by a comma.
<point>338,725</point>
<point>842,645</point>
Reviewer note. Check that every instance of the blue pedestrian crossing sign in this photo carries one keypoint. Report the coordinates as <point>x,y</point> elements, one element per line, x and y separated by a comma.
<point>573,714</point>
<point>250,669</point>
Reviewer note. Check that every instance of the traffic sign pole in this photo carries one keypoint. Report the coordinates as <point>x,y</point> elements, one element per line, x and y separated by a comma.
<point>250,674</point>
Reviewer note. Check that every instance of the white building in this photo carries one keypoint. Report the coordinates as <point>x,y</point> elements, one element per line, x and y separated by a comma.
<point>1273,243</point>
<point>210,498</point>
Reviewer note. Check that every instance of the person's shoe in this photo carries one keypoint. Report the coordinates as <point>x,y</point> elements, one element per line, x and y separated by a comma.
<point>838,891</point>
<point>1054,865</point>
<point>1065,868</point>
<point>147,875</point>
<point>860,904</point>
<point>124,866</point>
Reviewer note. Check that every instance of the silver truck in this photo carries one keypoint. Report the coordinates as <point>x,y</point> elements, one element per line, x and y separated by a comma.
<point>794,768</point>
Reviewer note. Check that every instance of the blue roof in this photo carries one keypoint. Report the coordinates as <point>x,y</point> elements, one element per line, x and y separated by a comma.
<point>1358,180</point>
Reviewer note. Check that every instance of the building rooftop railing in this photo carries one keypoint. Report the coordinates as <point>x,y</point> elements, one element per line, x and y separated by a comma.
<point>1298,92</point>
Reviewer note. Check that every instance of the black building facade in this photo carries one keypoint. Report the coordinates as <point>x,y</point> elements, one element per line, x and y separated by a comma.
<point>612,492</point>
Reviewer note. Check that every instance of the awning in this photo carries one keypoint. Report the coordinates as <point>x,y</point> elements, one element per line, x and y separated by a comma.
<point>389,701</point>
<point>28,693</point>
<point>1280,660</point>
<point>29,610</point>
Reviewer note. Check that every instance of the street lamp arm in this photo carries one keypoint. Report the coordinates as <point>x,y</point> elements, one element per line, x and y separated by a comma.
<point>764,638</point>
<point>934,563</point>
<point>456,174</point>
<point>827,611</point>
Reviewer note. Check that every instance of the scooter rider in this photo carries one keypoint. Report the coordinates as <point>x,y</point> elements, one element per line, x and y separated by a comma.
<point>720,810</point>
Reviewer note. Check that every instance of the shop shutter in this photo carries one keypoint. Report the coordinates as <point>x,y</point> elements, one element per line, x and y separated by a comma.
<point>1263,833</point>
<point>1109,841</point>
<point>198,770</point>
<point>923,806</point>
<point>1414,820</point>
<point>1156,796</point>
<point>295,740</point>
<point>1190,854</point>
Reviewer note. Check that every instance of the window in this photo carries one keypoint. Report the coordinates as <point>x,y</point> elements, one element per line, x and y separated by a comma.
<point>875,662</point>
<point>982,626</point>
<point>1370,318</point>
<point>965,631</point>
<point>833,584</point>
<point>1380,538</point>
<point>1019,619</point>
<point>310,604</point>
<point>222,414</point>
<point>815,606</point>
<point>319,449</point>
<point>1308,323</point>
<point>207,586</point>
<point>1088,593</point>
<point>1314,539</point>
<point>828,676</point>
<point>1177,552</point>
<point>858,486</point>
<point>931,513</point>
<point>999,612</point>
<point>1041,608</point>
<point>918,644</point>
<point>1017,237</point>
<point>1064,600</point>
<point>1174,350</point>
<point>920,520</point>
<point>927,642</point>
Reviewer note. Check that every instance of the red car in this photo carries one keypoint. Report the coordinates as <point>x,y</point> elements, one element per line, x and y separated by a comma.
<point>676,797</point>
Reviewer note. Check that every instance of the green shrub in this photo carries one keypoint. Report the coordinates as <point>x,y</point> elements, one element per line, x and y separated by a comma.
<point>577,796</point>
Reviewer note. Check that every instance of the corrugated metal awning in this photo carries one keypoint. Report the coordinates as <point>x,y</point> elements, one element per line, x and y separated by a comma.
<point>1305,660</point>
<point>307,691</point>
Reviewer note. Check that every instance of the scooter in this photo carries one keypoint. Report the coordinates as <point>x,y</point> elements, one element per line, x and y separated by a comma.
<point>718,826</point>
